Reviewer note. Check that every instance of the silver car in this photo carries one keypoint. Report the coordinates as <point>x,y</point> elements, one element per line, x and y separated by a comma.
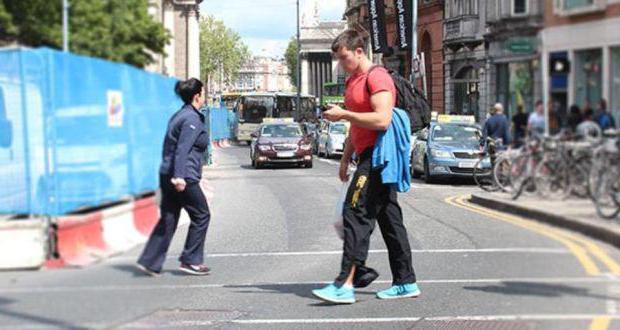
<point>331,138</point>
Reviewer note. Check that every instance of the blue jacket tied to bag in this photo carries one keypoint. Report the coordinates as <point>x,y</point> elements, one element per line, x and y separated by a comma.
<point>391,152</point>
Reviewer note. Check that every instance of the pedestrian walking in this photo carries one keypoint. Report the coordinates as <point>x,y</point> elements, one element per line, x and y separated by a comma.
<point>179,176</point>
<point>370,98</point>
<point>519,126</point>
<point>536,121</point>
<point>496,127</point>
<point>604,119</point>
<point>574,118</point>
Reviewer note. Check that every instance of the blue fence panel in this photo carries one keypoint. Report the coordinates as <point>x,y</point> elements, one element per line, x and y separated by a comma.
<point>84,131</point>
<point>219,124</point>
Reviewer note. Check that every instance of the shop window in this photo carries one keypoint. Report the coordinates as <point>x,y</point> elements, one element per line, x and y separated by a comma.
<point>614,84</point>
<point>588,77</point>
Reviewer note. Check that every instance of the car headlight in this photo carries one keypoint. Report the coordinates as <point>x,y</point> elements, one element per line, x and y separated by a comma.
<point>441,153</point>
<point>305,147</point>
<point>264,148</point>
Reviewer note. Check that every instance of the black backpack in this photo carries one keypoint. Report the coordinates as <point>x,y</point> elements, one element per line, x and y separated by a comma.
<point>410,99</point>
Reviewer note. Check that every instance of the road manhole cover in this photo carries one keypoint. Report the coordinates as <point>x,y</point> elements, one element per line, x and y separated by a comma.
<point>175,319</point>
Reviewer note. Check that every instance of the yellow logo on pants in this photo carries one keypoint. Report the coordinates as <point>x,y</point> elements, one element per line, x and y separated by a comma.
<point>359,185</point>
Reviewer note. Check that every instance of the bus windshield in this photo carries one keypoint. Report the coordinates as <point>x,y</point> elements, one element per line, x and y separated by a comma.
<point>230,100</point>
<point>254,108</point>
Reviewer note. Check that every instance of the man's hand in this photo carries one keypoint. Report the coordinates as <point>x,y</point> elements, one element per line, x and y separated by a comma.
<point>344,170</point>
<point>179,184</point>
<point>334,113</point>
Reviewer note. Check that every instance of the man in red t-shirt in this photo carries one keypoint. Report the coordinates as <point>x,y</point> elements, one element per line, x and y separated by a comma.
<point>369,98</point>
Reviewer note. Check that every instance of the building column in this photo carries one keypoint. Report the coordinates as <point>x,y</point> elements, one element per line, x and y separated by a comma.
<point>169,60</point>
<point>193,43</point>
<point>305,75</point>
<point>335,70</point>
<point>448,99</point>
<point>606,74</point>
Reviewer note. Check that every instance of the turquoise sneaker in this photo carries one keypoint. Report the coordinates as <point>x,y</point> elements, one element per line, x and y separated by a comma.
<point>400,291</point>
<point>336,295</point>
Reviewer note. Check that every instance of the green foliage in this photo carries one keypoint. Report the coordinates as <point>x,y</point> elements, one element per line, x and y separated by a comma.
<point>117,30</point>
<point>291,60</point>
<point>220,49</point>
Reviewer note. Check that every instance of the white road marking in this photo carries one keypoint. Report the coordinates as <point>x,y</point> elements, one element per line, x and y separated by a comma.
<point>339,252</point>
<point>515,317</point>
<point>135,287</point>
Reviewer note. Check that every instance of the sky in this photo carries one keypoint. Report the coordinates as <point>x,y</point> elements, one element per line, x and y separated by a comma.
<point>266,26</point>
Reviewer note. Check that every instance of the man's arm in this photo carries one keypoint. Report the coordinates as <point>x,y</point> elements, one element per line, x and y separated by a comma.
<point>347,154</point>
<point>377,120</point>
<point>346,160</point>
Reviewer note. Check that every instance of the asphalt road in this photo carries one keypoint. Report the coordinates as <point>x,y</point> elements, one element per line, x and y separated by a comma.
<point>271,242</point>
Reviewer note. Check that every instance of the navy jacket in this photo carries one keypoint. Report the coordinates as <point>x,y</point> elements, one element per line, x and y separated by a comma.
<point>496,127</point>
<point>184,145</point>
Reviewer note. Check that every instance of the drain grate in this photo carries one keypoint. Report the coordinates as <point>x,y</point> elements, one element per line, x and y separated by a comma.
<point>175,319</point>
<point>475,325</point>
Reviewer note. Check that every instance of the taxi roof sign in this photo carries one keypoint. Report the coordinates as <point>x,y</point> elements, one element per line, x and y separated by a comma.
<point>278,120</point>
<point>456,119</point>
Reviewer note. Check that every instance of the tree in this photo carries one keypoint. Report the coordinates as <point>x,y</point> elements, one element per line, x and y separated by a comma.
<point>117,30</point>
<point>291,60</point>
<point>221,51</point>
<point>7,28</point>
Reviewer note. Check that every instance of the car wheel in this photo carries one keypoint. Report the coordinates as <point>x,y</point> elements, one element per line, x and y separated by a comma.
<point>428,178</point>
<point>248,143</point>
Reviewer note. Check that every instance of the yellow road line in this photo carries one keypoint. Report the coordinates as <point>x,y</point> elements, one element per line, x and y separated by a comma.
<point>594,249</point>
<point>578,251</point>
<point>600,323</point>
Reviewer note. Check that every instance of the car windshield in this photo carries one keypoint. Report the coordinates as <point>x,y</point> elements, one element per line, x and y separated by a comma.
<point>338,129</point>
<point>281,131</point>
<point>451,133</point>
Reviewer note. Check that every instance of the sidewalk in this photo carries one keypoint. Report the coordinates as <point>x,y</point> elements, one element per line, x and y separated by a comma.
<point>575,214</point>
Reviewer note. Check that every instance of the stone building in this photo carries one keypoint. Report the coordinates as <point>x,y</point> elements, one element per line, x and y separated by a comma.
<point>182,54</point>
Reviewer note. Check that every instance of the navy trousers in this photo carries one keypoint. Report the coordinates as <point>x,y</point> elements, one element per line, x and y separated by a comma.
<point>193,200</point>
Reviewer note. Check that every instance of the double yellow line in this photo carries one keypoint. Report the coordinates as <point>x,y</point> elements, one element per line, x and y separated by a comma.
<point>585,250</point>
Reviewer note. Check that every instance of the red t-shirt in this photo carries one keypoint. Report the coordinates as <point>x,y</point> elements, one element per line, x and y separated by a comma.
<point>357,99</point>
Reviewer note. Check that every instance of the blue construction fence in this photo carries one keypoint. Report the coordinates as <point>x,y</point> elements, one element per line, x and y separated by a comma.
<point>78,132</point>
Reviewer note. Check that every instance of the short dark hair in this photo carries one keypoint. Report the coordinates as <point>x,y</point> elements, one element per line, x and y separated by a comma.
<point>187,89</point>
<point>350,39</point>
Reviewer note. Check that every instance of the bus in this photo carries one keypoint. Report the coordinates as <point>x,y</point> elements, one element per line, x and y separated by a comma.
<point>333,93</point>
<point>286,107</point>
<point>230,99</point>
<point>251,109</point>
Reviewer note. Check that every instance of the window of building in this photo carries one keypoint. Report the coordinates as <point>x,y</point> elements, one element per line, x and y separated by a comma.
<point>588,77</point>
<point>519,7</point>
<point>575,4</point>
<point>614,84</point>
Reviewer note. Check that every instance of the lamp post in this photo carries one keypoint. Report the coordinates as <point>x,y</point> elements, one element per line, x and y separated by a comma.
<point>298,69</point>
<point>65,25</point>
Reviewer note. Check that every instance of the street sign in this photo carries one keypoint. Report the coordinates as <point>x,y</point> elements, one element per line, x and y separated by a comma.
<point>521,45</point>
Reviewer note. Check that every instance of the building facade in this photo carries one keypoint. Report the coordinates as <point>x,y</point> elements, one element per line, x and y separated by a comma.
<point>182,54</point>
<point>262,74</point>
<point>465,58</point>
<point>317,64</point>
<point>584,34</point>
<point>514,53</point>
<point>430,43</point>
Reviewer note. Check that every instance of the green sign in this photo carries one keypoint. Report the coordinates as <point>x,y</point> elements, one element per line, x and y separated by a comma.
<point>521,45</point>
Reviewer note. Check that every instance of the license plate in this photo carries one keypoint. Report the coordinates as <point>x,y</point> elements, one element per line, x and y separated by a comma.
<point>286,154</point>
<point>467,164</point>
